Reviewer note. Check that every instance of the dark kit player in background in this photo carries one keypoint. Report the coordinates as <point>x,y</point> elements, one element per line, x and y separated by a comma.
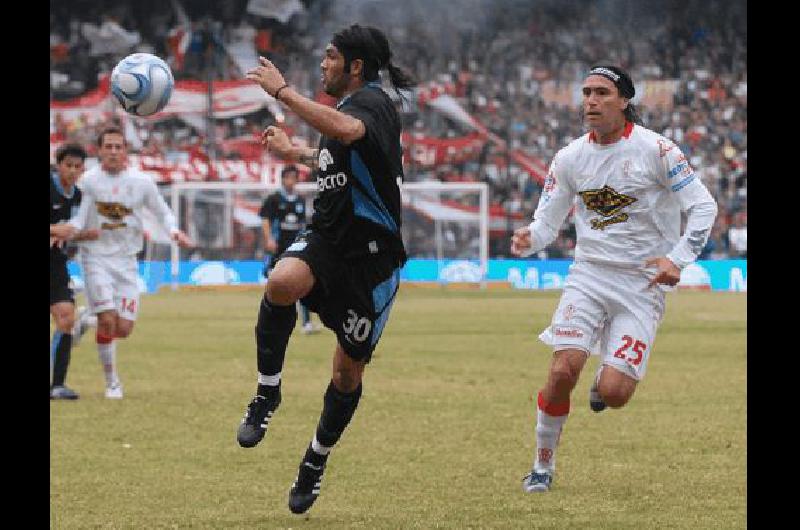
<point>346,266</point>
<point>283,216</point>
<point>65,197</point>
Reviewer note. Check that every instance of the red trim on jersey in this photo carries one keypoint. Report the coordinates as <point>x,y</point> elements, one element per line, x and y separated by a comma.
<point>553,409</point>
<point>626,133</point>
<point>628,129</point>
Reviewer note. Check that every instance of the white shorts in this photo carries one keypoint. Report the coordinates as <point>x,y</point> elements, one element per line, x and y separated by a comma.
<point>608,311</point>
<point>112,284</point>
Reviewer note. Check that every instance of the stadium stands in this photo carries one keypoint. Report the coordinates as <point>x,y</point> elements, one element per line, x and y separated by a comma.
<point>510,64</point>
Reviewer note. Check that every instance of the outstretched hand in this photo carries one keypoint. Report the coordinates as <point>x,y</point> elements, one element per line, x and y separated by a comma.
<point>521,241</point>
<point>668,273</point>
<point>62,231</point>
<point>182,239</point>
<point>267,76</point>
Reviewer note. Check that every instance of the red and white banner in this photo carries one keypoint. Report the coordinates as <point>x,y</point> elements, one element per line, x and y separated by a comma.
<point>428,152</point>
<point>266,171</point>
<point>231,98</point>
<point>234,98</point>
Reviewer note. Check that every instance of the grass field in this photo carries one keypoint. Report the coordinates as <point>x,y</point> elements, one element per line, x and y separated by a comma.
<point>442,437</point>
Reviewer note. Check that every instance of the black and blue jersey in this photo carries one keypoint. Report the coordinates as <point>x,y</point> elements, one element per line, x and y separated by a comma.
<point>62,207</point>
<point>358,207</point>
<point>287,216</point>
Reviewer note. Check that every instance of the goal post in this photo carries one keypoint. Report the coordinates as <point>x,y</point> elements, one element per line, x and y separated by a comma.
<point>443,222</point>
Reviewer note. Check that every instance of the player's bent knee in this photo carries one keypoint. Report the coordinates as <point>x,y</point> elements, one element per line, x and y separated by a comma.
<point>291,280</point>
<point>616,391</point>
<point>106,325</point>
<point>615,398</point>
<point>562,378</point>
<point>63,316</point>
<point>566,369</point>
<point>616,394</point>
<point>124,328</point>
<point>280,292</point>
<point>64,322</point>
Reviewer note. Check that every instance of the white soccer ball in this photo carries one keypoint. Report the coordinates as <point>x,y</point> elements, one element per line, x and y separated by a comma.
<point>142,83</point>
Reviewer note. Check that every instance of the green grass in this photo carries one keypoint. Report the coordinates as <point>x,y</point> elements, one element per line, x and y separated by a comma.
<point>441,439</point>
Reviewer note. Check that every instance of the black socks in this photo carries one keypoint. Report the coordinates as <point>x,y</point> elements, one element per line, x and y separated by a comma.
<point>337,412</point>
<point>63,347</point>
<point>275,325</point>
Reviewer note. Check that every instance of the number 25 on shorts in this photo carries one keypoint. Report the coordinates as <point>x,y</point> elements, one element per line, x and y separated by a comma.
<point>638,348</point>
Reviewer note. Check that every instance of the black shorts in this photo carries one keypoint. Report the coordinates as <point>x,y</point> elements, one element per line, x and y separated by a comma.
<point>270,260</point>
<point>59,283</point>
<point>353,298</point>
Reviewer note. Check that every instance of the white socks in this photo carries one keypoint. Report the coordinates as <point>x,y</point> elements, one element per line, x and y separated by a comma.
<point>107,355</point>
<point>319,448</point>
<point>550,419</point>
<point>548,431</point>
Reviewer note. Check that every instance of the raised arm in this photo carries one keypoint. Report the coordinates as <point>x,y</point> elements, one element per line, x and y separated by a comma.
<point>326,120</point>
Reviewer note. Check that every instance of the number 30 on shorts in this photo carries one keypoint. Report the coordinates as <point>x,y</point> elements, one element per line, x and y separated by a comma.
<point>638,348</point>
<point>358,327</point>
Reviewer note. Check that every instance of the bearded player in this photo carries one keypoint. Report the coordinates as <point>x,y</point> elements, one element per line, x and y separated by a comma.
<point>346,266</point>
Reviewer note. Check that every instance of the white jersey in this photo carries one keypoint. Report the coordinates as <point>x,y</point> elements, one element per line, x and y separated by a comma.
<point>628,198</point>
<point>113,202</point>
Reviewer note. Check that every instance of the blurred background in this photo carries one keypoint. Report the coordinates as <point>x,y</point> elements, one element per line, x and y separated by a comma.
<point>498,94</point>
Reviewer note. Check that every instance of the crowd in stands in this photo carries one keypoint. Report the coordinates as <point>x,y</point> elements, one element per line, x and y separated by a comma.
<point>496,54</point>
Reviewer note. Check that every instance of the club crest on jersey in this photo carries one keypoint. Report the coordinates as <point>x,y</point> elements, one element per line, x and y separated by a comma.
<point>607,202</point>
<point>324,159</point>
<point>114,211</point>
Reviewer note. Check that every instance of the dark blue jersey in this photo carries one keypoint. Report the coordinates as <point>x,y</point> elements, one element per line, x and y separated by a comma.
<point>286,215</point>
<point>62,208</point>
<point>358,207</point>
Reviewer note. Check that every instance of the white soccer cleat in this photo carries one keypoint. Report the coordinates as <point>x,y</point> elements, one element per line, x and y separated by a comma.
<point>537,482</point>
<point>309,328</point>
<point>114,391</point>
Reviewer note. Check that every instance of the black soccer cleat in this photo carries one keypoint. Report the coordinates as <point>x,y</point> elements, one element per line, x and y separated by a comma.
<point>596,402</point>
<point>256,419</point>
<point>305,489</point>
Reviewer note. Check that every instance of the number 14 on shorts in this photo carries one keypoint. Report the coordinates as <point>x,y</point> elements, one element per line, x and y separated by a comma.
<point>129,305</point>
<point>638,348</point>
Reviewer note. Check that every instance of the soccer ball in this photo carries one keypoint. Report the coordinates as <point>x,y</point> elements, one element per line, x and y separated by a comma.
<point>142,83</point>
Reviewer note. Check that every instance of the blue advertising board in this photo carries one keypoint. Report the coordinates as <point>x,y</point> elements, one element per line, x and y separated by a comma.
<point>723,275</point>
